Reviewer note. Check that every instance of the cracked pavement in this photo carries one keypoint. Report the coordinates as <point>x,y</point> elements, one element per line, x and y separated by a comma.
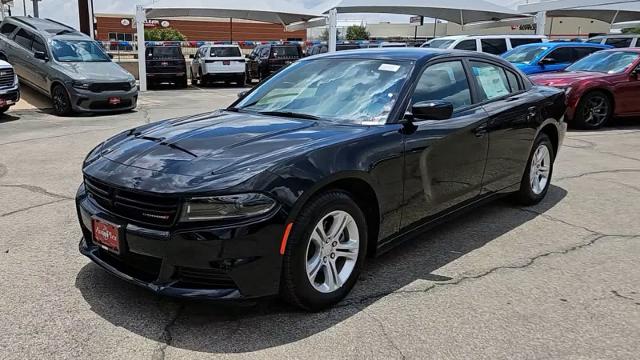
<point>557,280</point>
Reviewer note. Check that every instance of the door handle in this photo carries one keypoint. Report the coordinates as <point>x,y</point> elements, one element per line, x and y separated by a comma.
<point>532,112</point>
<point>481,130</point>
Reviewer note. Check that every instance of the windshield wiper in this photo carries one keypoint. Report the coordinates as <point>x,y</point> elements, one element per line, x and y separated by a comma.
<point>289,114</point>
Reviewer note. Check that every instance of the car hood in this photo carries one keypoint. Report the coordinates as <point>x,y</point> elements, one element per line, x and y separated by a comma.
<point>222,142</point>
<point>528,69</point>
<point>100,71</point>
<point>564,78</point>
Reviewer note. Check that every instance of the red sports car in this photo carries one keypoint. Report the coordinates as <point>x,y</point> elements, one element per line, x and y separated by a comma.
<point>598,87</point>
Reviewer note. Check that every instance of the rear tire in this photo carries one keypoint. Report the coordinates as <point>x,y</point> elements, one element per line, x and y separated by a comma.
<point>61,101</point>
<point>325,252</point>
<point>594,111</point>
<point>537,176</point>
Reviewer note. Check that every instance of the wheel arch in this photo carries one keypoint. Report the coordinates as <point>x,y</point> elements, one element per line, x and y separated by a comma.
<point>603,89</point>
<point>552,132</point>
<point>361,188</point>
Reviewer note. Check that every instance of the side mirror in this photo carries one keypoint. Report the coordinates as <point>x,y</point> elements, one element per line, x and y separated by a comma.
<point>635,73</point>
<point>547,61</point>
<point>110,56</point>
<point>432,110</point>
<point>41,55</point>
<point>242,94</point>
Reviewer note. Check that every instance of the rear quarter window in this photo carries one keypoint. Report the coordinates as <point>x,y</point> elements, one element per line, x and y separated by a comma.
<point>517,42</point>
<point>7,29</point>
<point>494,46</point>
<point>619,42</point>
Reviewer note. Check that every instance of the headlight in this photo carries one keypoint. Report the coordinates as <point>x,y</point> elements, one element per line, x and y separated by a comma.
<point>81,85</point>
<point>227,207</point>
<point>133,83</point>
<point>15,79</point>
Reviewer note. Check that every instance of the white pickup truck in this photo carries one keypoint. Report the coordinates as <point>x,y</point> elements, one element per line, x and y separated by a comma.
<point>9,87</point>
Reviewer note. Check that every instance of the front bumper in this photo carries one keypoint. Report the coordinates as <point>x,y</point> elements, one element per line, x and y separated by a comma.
<point>97,102</point>
<point>210,262</point>
<point>9,96</point>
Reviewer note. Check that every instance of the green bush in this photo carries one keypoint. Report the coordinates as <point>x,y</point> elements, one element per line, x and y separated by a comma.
<point>164,34</point>
<point>357,32</point>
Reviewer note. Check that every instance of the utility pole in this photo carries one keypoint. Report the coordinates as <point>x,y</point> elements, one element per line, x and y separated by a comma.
<point>36,13</point>
<point>83,16</point>
<point>24,7</point>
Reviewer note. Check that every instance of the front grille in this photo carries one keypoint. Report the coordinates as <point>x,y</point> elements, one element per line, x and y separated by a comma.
<point>105,105</point>
<point>116,86</point>
<point>203,278</point>
<point>6,78</point>
<point>145,268</point>
<point>140,207</point>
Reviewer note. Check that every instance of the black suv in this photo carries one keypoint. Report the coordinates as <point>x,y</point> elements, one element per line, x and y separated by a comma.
<point>264,60</point>
<point>166,64</point>
<point>323,48</point>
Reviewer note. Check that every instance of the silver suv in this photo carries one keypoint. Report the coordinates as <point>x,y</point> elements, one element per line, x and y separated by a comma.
<point>66,65</point>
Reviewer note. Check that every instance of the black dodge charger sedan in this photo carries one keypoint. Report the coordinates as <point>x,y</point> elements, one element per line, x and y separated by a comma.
<point>336,157</point>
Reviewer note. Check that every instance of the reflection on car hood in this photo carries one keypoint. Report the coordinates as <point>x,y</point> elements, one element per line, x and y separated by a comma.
<point>221,142</point>
<point>94,71</point>
<point>564,78</point>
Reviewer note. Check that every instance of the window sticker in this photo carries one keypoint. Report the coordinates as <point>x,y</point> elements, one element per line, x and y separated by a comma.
<point>389,67</point>
<point>491,82</point>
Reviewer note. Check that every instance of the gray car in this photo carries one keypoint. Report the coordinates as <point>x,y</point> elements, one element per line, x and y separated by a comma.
<point>66,65</point>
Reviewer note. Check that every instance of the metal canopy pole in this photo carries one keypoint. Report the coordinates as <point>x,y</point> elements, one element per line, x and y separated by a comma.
<point>141,17</point>
<point>333,29</point>
<point>541,22</point>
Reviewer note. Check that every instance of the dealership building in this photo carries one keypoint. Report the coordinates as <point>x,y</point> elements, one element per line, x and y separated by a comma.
<point>121,27</point>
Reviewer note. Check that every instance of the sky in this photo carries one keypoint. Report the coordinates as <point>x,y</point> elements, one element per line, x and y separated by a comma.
<point>66,11</point>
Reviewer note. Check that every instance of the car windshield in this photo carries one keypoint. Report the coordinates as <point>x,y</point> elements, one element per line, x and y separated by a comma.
<point>78,51</point>
<point>356,91</point>
<point>608,62</point>
<point>285,51</point>
<point>225,52</point>
<point>439,44</point>
<point>524,54</point>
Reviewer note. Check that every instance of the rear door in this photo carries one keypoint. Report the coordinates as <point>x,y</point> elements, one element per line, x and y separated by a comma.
<point>494,46</point>
<point>619,42</point>
<point>444,159</point>
<point>224,59</point>
<point>511,124</point>
<point>22,55</point>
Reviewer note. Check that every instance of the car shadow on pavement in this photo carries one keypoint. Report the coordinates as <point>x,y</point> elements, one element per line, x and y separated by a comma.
<point>238,328</point>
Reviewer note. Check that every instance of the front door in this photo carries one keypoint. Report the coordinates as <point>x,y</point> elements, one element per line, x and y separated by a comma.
<point>627,88</point>
<point>444,159</point>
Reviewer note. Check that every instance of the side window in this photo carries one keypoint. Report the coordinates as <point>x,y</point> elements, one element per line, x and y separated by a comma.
<point>514,83</point>
<point>265,51</point>
<point>7,29</point>
<point>562,55</point>
<point>444,81</point>
<point>594,41</point>
<point>619,42</point>
<point>584,51</point>
<point>38,45</point>
<point>24,38</point>
<point>492,80</point>
<point>515,42</point>
<point>467,45</point>
<point>494,46</point>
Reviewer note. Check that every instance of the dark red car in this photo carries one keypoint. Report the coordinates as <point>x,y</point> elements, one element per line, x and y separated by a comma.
<point>598,87</point>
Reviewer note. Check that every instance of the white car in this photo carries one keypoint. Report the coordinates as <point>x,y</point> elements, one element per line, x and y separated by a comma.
<point>9,87</point>
<point>492,44</point>
<point>617,41</point>
<point>218,63</point>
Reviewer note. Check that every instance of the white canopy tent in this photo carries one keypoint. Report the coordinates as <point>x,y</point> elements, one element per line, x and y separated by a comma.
<point>610,11</point>
<point>219,9</point>
<point>458,11</point>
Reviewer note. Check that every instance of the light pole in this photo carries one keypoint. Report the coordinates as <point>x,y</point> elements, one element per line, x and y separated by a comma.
<point>35,8</point>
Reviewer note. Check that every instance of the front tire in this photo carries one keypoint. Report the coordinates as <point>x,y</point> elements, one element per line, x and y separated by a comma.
<point>537,176</point>
<point>325,252</point>
<point>61,101</point>
<point>4,109</point>
<point>594,111</point>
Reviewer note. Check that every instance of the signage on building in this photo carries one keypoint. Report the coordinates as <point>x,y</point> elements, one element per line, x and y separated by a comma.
<point>153,23</point>
<point>524,27</point>
<point>125,22</point>
<point>416,20</point>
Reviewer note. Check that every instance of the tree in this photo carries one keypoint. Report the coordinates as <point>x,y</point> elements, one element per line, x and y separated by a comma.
<point>324,36</point>
<point>357,32</point>
<point>164,34</point>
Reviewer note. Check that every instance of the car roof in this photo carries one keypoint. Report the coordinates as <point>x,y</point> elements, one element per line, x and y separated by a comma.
<point>634,50</point>
<point>402,53</point>
<point>615,36</point>
<point>47,27</point>
<point>555,44</point>
<point>497,36</point>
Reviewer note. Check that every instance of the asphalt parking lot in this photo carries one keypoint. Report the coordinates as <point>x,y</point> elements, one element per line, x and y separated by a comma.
<point>558,280</point>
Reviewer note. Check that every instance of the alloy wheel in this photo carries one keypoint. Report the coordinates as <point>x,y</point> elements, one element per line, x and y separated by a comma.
<point>60,101</point>
<point>540,169</point>
<point>596,111</point>
<point>332,251</point>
